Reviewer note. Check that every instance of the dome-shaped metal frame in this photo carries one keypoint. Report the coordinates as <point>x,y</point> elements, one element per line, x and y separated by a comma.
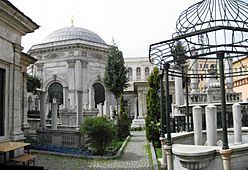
<point>210,29</point>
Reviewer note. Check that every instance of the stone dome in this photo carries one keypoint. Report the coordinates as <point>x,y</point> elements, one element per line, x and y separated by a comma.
<point>73,33</point>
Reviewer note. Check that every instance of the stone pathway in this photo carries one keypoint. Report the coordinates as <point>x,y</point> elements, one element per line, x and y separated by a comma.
<point>135,158</point>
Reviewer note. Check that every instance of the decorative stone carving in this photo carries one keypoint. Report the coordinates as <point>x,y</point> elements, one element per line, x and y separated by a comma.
<point>84,64</point>
<point>39,66</point>
<point>71,63</point>
<point>51,56</point>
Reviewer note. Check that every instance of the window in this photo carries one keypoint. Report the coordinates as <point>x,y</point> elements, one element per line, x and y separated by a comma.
<point>99,93</point>
<point>130,73</point>
<point>55,90</point>
<point>147,71</point>
<point>138,73</point>
<point>2,80</point>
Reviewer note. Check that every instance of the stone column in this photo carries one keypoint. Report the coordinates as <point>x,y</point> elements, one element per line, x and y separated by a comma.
<point>178,93</point>
<point>100,108</point>
<point>140,105</point>
<point>106,108</point>
<point>163,163</point>
<point>197,119</point>
<point>237,124</point>
<point>194,81</point>
<point>211,124</point>
<point>78,75</point>
<point>80,108</point>
<point>168,151</point>
<point>54,114</point>
<point>226,154</point>
<point>25,124</point>
<point>229,77</point>
<point>91,98</point>
<point>135,108</point>
<point>43,110</point>
<point>71,82</point>
<point>111,108</point>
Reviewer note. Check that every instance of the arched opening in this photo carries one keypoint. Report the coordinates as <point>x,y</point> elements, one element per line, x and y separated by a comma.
<point>55,90</point>
<point>99,95</point>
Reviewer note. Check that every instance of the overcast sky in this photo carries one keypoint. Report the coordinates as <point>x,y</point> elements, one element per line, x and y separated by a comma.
<point>133,24</point>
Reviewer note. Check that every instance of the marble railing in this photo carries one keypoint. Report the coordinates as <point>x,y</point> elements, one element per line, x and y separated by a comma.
<point>203,98</point>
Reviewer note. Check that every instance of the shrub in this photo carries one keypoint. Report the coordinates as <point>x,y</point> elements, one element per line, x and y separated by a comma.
<point>100,132</point>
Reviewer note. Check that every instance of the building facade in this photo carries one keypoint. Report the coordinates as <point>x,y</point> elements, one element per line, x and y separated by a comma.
<point>13,63</point>
<point>71,63</point>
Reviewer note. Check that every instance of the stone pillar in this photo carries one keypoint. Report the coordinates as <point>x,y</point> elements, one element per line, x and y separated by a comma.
<point>100,108</point>
<point>54,114</point>
<point>197,121</point>
<point>135,108</point>
<point>229,77</point>
<point>25,124</point>
<point>226,155</point>
<point>71,82</point>
<point>168,151</point>
<point>163,163</point>
<point>178,93</point>
<point>106,109</point>
<point>43,110</point>
<point>79,108</point>
<point>211,124</point>
<point>140,104</point>
<point>111,108</point>
<point>91,98</point>
<point>78,75</point>
<point>194,81</point>
<point>237,124</point>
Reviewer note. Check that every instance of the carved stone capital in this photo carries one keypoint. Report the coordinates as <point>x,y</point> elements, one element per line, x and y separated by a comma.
<point>71,63</point>
<point>39,66</point>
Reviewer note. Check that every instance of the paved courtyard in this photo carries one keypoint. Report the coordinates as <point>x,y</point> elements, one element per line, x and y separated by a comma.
<point>135,158</point>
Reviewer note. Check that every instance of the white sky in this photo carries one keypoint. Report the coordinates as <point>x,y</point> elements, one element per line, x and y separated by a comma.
<point>133,24</point>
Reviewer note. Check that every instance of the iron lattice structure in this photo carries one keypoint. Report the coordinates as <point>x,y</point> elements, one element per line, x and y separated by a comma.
<point>204,29</point>
<point>209,29</point>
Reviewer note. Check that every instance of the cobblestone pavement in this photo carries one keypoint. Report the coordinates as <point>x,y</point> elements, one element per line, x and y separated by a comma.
<point>135,158</point>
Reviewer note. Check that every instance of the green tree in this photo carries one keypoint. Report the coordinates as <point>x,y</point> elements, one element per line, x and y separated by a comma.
<point>100,131</point>
<point>115,76</point>
<point>123,122</point>
<point>33,83</point>
<point>153,108</point>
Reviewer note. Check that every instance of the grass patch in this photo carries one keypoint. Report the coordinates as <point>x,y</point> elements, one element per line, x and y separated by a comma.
<point>158,152</point>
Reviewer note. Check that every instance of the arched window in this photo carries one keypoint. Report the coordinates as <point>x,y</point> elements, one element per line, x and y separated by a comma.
<point>130,73</point>
<point>55,90</point>
<point>138,73</point>
<point>99,93</point>
<point>147,71</point>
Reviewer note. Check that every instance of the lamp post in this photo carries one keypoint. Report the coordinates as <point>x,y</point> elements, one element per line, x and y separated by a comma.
<point>161,77</point>
<point>167,94</point>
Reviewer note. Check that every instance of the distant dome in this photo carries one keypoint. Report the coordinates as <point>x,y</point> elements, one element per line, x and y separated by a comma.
<point>72,33</point>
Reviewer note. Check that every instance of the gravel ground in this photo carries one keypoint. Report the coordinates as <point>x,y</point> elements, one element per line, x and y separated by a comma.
<point>135,158</point>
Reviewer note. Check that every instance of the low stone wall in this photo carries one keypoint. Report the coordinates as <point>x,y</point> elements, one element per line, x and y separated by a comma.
<point>60,138</point>
<point>188,156</point>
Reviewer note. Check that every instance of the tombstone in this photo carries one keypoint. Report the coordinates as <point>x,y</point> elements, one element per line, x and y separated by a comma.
<point>211,124</point>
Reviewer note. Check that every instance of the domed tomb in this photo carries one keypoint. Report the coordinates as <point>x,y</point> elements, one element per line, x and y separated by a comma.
<point>73,33</point>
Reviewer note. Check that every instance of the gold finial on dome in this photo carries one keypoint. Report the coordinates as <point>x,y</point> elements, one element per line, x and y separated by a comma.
<point>72,21</point>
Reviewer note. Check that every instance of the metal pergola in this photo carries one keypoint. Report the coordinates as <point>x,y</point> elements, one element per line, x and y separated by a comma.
<point>209,29</point>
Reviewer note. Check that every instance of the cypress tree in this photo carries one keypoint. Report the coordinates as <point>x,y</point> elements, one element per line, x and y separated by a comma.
<point>115,76</point>
<point>153,108</point>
